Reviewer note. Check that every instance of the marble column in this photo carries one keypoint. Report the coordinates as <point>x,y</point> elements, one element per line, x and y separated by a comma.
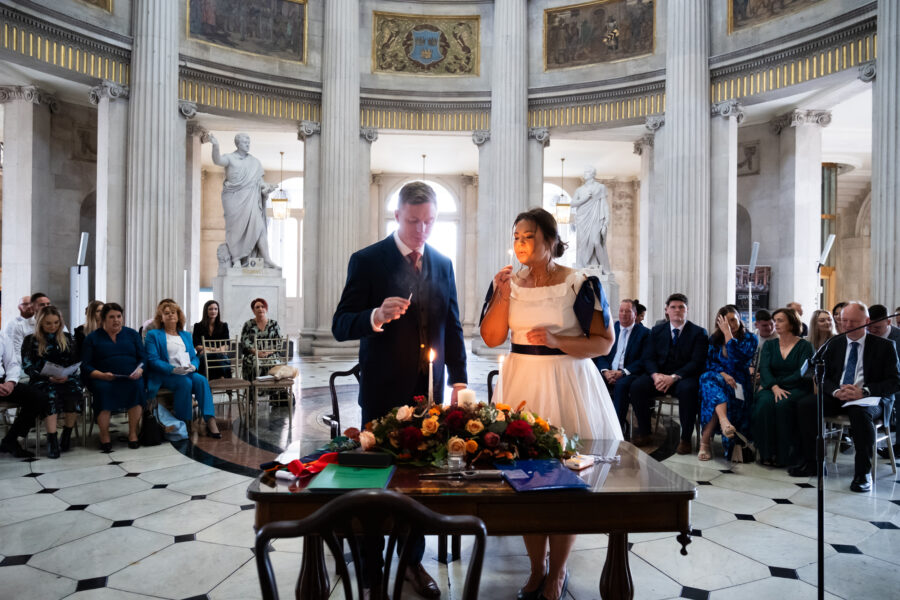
<point>26,193</point>
<point>109,230</point>
<point>685,265</point>
<point>193,201</point>
<point>886,158</point>
<point>489,233</point>
<point>368,227</point>
<point>723,202</point>
<point>470,303</point>
<point>643,147</point>
<point>308,132</point>
<point>154,258</point>
<point>538,139</point>
<point>657,226</point>
<point>794,276</point>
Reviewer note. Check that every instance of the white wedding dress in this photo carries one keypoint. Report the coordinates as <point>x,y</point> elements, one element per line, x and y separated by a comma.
<point>566,391</point>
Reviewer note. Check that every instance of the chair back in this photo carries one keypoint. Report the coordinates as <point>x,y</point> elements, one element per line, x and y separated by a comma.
<point>221,356</point>
<point>334,419</point>
<point>362,518</point>
<point>490,384</point>
<point>270,352</point>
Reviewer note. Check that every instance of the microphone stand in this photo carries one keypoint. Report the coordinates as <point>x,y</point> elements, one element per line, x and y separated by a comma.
<point>818,361</point>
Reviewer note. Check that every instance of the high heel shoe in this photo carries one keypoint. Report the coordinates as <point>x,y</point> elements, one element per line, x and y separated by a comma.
<point>106,447</point>
<point>216,435</point>
<point>534,594</point>
<point>562,591</point>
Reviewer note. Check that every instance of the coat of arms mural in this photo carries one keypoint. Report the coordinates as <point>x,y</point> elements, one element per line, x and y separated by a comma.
<point>425,44</point>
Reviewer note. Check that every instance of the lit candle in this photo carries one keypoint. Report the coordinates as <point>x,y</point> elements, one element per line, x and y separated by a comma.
<point>431,355</point>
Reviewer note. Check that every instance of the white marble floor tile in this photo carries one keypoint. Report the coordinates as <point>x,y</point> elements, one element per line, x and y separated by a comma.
<point>593,541</point>
<point>42,533</point>
<point>767,488</point>
<point>235,530</point>
<point>187,517</point>
<point>636,538</point>
<point>649,582</point>
<point>154,463</point>
<point>773,587</point>
<point>19,486</point>
<point>703,516</point>
<point>164,574</point>
<point>766,544</point>
<point>209,484</point>
<point>858,506</point>
<point>124,454</point>
<point>135,506</point>
<point>94,493</point>
<point>883,544</point>
<point>27,583</point>
<point>22,508</point>
<point>235,494</point>
<point>802,520</point>
<point>13,467</point>
<point>707,566</point>
<point>856,576</point>
<point>108,594</point>
<point>694,472</point>
<point>244,583</point>
<point>172,475</point>
<point>74,459</point>
<point>731,500</point>
<point>100,554</point>
<point>760,472</point>
<point>68,478</point>
<point>500,578</point>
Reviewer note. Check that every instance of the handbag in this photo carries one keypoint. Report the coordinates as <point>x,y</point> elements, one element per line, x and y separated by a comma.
<point>151,431</point>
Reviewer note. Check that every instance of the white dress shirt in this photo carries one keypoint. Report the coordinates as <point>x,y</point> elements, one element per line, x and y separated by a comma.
<point>858,377</point>
<point>10,363</point>
<point>619,358</point>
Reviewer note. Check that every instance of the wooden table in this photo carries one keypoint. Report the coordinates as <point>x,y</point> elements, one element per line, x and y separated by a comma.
<point>637,495</point>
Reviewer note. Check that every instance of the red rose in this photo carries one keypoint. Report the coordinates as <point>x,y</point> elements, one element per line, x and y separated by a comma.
<point>410,437</point>
<point>456,419</point>
<point>352,433</point>
<point>520,429</point>
<point>419,399</point>
<point>491,439</point>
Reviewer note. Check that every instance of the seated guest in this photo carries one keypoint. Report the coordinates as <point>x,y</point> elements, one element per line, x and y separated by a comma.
<point>112,363</point>
<point>640,311</point>
<point>765,327</point>
<point>897,318</point>
<point>857,365</point>
<point>31,402</point>
<point>883,328</point>
<point>25,313</point>
<point>674,357</point>
<point>781,387</point>
<point>26,327</point>
<point>623,363</point>
<point>821,328</point>
<point>836,315</point>
<point>726,387</point>
<point>798,308</point>
<point>49,343</point>
<point>212,328</point>
<point>172,364</point>
<point>148,324</point>
<point>259,327</point>
<point>91,323</point>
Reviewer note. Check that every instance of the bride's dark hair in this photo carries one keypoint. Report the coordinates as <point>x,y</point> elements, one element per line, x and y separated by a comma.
<point>547,224</point>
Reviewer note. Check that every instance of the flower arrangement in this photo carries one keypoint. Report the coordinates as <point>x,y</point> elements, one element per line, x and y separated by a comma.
<point>420,435</point>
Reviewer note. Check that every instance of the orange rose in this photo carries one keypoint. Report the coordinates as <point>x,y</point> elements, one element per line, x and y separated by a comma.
<point>430,426</point>
<point>502,406</point>
<point>456,445</point>
<point>521,406</point>
<point>542,423</point>
<point>474,426</point>
<point>471,446</point>
<point>434,411</point>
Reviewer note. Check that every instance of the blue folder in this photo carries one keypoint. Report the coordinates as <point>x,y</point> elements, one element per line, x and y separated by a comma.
<point>534,475</point>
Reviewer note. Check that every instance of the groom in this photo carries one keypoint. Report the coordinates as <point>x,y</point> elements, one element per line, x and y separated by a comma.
<point>400,301</point>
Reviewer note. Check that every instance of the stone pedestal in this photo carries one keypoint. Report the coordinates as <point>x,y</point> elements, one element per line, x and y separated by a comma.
<point>239,286</point>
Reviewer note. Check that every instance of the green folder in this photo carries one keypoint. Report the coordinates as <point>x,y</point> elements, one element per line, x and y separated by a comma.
<point>339,478</point>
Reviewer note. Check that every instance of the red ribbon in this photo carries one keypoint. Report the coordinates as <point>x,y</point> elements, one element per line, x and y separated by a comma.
<point>300,469</point>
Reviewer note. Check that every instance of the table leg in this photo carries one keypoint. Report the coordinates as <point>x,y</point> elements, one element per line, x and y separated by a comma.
<point>615,582</point>
<point>313,582</point>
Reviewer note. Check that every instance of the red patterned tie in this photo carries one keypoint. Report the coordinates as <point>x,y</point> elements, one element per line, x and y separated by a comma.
<point>413,258</point>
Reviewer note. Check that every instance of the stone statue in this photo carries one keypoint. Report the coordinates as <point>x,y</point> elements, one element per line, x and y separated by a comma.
<point>591,222</point>
<point>244,199</point>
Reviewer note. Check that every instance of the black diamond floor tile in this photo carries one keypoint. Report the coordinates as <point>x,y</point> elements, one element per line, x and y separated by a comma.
<point>201,597</point>
<point>783,573</point>
<point>131,474</point>
<point>804,485</point>
<point>188,537</point>
<point>694,593</point>
<point>31,459</point>
<point>248,506</point>
<point>47,491</point>
<point>12,561</point>
<point>32,475</point>
<point>77,507</point>
<point>884,525</point>
<point>160,486</point>
<point>199,497</point>
<point>704,483</point>
<point>742,517</point>
<point>846,549</point>
<point>781,501</point>
<point>697,532</point>
<point>115,462</point>
<point>91,584</point>
<point>123,523</point>
<point>721,471</point>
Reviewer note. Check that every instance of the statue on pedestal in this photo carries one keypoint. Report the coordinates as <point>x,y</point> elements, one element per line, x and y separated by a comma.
<point>244,199</point>
<point>591,223</point>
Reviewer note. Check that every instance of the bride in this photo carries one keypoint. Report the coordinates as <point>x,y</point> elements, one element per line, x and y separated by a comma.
<point>559,320</point>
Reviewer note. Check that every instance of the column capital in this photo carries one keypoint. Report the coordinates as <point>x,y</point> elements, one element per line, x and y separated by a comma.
<point>187,109</point>
<point>28,93</point>
<point>306,129</point>
<point>822,118</point>
<point>729,108</point>
<point>539,134</point>
<point>867,71</point>
<point>645,141</point>
<point>195,129</point>
<point>469,180</point>
<point>375,178</point>
<point>370,134</point>
<point>108,89</point>
<point>654,122</point>
<point>480,136</point>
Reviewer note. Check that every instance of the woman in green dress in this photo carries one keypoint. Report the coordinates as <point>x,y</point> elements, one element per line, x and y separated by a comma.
<point>781,387</point>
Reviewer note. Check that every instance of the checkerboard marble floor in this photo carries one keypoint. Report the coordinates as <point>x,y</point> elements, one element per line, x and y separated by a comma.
<point>154,523</point>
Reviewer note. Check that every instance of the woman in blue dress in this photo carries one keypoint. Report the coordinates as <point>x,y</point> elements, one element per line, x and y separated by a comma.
<point>726,387</point>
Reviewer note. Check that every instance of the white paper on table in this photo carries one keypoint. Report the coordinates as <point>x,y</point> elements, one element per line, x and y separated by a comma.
<point>54,370</point>
<point>867,401</point>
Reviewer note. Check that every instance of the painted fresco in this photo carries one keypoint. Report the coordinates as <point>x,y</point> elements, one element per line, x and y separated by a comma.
<point>104,4</point>
<point>747,13</point>
<point>425,44</point>
<point>274,28</point>
<point>598,32</point>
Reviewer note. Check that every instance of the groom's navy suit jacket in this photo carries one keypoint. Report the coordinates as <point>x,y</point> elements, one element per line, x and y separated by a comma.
<point>394,363</point>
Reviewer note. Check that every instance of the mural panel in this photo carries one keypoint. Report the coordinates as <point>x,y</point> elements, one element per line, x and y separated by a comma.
<point>425,44</point>
<point>273,28</point>
<point>104,4</point>
<point>747,13</point>
<point>598,32</point>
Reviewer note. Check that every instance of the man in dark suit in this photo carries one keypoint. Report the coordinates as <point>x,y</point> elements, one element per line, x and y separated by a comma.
<point>400,302</point>
<point>857,365</point>
<point>623,363</point>
<point>674,358</point>
<point>883,329</point>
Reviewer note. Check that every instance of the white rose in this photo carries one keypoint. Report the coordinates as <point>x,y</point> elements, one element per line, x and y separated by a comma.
<point>366,440</point>
<point>404,413</point>
<point>528,417</point>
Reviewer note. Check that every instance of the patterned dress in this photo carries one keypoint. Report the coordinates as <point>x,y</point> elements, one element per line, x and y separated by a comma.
<point>64,397</point>
<point>714,390</point>
<point>249,333</point>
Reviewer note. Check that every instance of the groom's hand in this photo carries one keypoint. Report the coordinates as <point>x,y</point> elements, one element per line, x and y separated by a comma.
<point>391,309</point>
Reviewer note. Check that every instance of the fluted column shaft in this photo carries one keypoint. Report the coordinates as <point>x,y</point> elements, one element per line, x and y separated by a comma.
<point>723,203</point>
<point>886,158</point>
<point>340,204</point>
<point>685,265</point>
<point>154,214</point>
<point>644,148</point>
<point>309,133</point>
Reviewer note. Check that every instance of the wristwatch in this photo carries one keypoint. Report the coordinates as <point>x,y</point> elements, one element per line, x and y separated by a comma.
<point>866,391</point>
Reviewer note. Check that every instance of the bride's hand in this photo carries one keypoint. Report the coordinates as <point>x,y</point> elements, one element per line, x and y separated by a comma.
<point>501,281</point>
<point>539,336</point>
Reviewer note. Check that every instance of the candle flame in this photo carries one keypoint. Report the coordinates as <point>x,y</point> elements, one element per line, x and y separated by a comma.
<point>431,355</point>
